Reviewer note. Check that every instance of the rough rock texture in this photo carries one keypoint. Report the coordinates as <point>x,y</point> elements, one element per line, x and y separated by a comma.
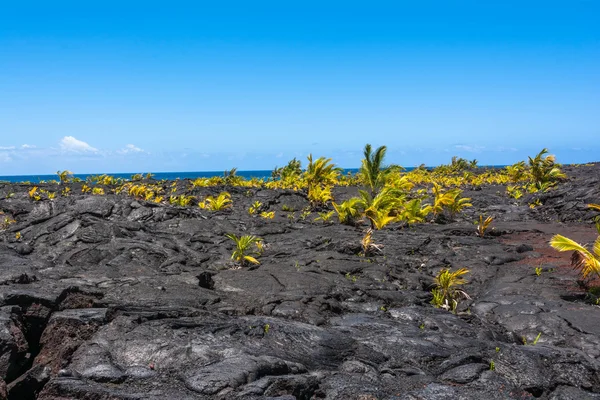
<point>108,297</point>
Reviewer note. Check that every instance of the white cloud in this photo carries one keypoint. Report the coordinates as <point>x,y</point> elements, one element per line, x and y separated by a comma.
<point>469,148</point>
<point>28,146</point>
<point>5,157</point>
<point>279,155</point>
<point>130,148</point>
<point>69,143</point>
<point>7,147</point>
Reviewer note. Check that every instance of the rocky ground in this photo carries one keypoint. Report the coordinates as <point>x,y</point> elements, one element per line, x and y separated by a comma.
<point>106,297</point>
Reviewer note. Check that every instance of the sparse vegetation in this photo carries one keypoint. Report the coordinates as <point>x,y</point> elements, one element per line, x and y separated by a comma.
<point>247,248</point>
<point>584,260</point>
<point>219,203</point>
<point>446,293</point>
<point>483,225</point>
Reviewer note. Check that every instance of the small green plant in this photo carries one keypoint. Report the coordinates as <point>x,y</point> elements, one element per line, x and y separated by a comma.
<point>497,349</point>
<point>538,271</point>
<point>597,223</point>
<point>65,176</point>
<point>352,278</point>
<point>537,338</point>
<point>291,216</point>
<point>422,326</point>
<point>483,225</point>
<point>247,247</point>
<point>266,328</point>
<point>586,261</point>
<point>368,246</point>
<point>348,212</point>
<point>325,216</point>
<point>219,203</point>
<point>297,266</point>
<point>305,213</point>
<point>446,294</point>
<point>181,201</point>
<point>535,204</point>
<point>287,208</point>
<point>268,214</point>
<point>492,366</point>
<point>255,207</point>
<point>514,192</point>
<point>34,195</point>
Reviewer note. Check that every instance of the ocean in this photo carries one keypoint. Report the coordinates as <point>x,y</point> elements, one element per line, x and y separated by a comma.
<point>261,174</point>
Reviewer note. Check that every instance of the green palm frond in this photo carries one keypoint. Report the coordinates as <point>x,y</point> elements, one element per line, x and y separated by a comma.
<point>243,248</point>
<point>582,258</point>
<point>594,206</point>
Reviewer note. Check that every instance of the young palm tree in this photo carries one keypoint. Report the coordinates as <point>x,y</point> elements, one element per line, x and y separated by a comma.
<point>348,212</point>
<point>320,172</point>
<point>243,252</point>
<point>377,208</point>
<point>544,170</point>
<point>446,293</point>
<point>64,176</point>
<point>219,203</point>
<point>372,171</point>
<point>582,259</point>
<point>413,211</point>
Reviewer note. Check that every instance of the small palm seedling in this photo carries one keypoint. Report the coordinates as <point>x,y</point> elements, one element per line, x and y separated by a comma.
<point>483,225</point>
<point>267,214</point>
<point>544,171</point>
<point>413,212</point>
<point>320,172</point>
<point>181,201</point>
<point>64,176</point>
<point>587,262</point>
<point>514,192</point>
<point>448,200</point>
<point>348,212</point>
<point>255,207</point>
<point>368,246</point>
<point>379,209</point>
<point>219,203</point>
<point>597,217</point>
<point>325,216</point>
<point>98,191</point>
<point>535,204</point>
<point>319,195</point>
<point>305,213</point>
<point>446,293</point>
<point>34,195</point>
<point>247,247</point>
<point>6,221</point>
<point>287,208</point>
<point>372,172</point>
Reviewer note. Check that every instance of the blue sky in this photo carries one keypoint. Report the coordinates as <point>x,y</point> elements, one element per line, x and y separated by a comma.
<point>186,86</point>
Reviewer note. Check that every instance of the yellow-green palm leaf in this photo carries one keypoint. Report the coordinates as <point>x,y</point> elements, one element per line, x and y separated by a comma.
<point>582,259</point>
